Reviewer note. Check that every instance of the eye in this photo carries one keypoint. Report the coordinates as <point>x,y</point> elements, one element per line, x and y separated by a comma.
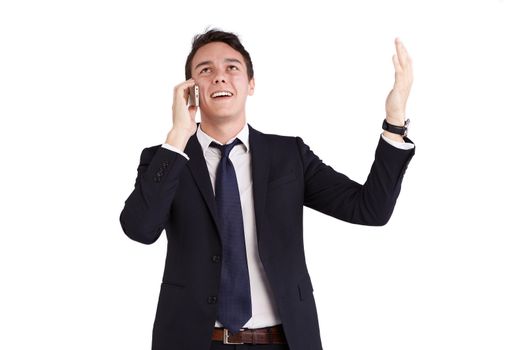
<point>205,70</point>
<point>233,68</point>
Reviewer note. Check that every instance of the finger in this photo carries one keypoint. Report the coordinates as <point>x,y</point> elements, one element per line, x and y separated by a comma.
<point>405,62</point>
<point>193,111</point>
<point>402,53</point>
<point>403,77</point>
<point>182,88</point>
<point>184,85</point>
<point>397,65</point>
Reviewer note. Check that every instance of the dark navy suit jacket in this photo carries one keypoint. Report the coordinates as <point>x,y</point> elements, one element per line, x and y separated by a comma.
<point>174,194</point>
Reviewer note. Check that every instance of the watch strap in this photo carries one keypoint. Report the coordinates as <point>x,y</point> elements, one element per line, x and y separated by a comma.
<point>395,129</point>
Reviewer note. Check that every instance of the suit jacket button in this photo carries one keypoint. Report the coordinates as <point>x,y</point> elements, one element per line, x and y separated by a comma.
<point>160,173</point>
<point>212,299</point>
<point>156,178</point>
<point>216,258</point>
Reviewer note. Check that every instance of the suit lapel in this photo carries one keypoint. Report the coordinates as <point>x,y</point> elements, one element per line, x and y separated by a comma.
<point>199,171</point>
<point>260,168</point>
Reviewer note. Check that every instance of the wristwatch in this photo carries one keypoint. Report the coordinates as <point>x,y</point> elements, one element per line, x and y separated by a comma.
<point>400,130</point>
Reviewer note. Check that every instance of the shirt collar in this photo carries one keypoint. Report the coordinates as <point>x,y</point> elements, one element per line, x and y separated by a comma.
<point>205,139</point>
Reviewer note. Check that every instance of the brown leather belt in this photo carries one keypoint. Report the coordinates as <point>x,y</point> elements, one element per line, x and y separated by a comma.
<point>268,335</point>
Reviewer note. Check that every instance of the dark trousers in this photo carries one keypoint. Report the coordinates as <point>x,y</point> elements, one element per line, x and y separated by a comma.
<point>217,345</point>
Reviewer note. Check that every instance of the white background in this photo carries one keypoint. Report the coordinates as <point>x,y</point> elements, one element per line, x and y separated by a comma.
<point>86,85</point>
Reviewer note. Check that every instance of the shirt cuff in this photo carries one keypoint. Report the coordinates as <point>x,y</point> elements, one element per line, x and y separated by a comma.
<point>400,145</point>
<point>175,149</point>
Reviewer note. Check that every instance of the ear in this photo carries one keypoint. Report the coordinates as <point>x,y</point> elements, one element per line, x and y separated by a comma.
<point>251,86</point>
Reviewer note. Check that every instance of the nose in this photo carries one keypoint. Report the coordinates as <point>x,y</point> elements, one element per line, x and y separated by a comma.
<point>219,77</point>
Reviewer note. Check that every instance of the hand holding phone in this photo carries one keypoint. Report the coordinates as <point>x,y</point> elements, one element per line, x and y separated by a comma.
<point>183,115</point>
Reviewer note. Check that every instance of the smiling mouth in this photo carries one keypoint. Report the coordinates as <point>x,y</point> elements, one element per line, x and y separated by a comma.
<point>221,94</point>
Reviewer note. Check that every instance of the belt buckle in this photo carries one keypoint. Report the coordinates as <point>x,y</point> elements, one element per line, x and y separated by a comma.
<point>226,337</point>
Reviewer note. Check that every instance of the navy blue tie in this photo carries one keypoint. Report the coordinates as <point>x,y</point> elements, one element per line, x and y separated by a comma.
<point>235,305</point>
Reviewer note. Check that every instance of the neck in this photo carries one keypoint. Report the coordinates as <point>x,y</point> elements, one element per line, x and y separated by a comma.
<point>222,132</point>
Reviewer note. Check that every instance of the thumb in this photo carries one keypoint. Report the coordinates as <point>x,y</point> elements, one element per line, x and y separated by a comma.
<point>193,111</point>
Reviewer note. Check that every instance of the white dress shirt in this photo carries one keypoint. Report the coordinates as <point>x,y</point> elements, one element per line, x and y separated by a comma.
<point>264,310</point>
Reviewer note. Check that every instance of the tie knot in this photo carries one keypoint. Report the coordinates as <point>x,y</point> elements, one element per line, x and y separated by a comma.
<point>226,149</point>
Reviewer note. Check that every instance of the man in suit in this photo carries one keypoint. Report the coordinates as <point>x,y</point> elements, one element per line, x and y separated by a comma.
<point>231,198</point>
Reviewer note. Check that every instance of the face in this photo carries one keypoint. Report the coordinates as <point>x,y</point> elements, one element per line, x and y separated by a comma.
<point>221,74</point>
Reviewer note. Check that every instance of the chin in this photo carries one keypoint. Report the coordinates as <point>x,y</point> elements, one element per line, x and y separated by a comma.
<point>220,116</point>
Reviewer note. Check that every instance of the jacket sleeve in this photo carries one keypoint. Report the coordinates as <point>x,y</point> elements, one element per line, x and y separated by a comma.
<point>147,208</point>
<point>336,195</point>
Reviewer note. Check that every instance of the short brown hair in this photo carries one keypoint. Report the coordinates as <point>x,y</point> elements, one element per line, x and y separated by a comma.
<point>215,35</point>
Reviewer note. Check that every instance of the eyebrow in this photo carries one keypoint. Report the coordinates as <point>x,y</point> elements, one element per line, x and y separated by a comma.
<point>229,60</point>
<point>233,60</point>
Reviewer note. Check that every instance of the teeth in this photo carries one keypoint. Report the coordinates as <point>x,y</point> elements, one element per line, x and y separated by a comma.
<point>221,93</point>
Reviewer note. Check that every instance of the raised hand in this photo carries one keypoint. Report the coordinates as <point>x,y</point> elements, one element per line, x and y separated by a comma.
<point>397,98</point>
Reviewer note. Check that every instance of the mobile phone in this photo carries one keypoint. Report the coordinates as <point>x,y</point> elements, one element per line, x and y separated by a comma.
<point>194,96</point>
